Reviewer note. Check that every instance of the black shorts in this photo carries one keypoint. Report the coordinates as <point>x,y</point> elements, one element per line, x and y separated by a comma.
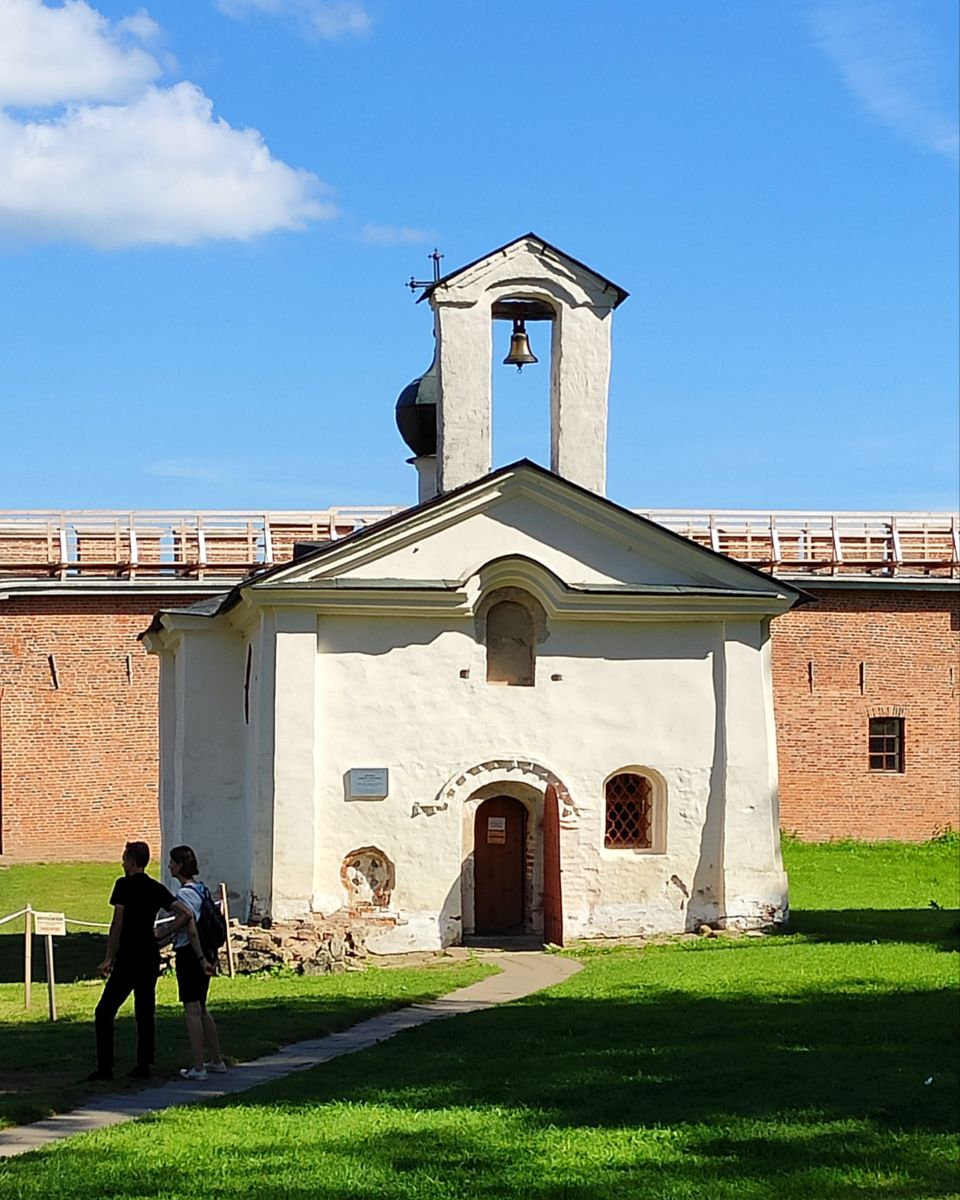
<point>192,981</point>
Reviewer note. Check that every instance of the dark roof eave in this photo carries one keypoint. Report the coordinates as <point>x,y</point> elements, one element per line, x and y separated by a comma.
<point>211,606</point>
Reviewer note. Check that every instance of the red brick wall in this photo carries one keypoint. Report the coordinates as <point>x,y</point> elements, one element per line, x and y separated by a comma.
<point>909,645</point>
<point>78,774</point>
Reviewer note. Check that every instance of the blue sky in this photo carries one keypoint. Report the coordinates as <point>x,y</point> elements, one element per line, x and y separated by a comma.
<point>208,212</point>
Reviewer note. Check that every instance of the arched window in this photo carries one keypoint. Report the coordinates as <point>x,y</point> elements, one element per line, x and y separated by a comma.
<point>510,638</point>
<point>629,812</point>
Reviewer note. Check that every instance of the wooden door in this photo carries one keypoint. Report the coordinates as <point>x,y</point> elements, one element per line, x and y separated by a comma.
<point>552,892</point>
<point>499,855</point>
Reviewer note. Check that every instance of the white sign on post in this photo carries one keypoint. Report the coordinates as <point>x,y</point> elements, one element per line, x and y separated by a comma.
<point>49,924</point>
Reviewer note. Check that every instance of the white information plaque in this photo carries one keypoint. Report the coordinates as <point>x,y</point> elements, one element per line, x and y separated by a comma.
<point>368,783</point>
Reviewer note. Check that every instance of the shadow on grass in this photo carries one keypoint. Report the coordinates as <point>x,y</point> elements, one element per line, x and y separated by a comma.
<point>939,927</point>
<point>807,1097</point>
<point>668,1058</point>
<point>42,1065</point>
<point>75,957</point>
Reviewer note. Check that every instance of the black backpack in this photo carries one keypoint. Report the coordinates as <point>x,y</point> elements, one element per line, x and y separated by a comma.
<point>211,927</point>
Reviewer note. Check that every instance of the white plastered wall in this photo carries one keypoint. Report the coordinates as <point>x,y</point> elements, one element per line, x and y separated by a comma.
<point>202,788</point>
<point>579,383</point>
<point>391,695</point>
<point>264,802</point>
<point>296,754</point>
<point>755,884</point>
<point>258,764</point>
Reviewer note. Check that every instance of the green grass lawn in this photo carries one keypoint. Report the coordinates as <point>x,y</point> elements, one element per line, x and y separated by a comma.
<point>816,1065</point>
<point>851,876</point>
<point>81,890</point>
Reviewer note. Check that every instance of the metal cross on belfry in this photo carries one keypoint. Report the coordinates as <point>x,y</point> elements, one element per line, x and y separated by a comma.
<point>415,284</point>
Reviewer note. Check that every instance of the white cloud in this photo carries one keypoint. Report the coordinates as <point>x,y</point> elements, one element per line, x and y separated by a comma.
<point>888,64</point>
<point>159,170</point>
<point>51,55</point>
<point>394,235</point>
<point>155,168</point>
<point>322,18</point>
<point>141,25</point>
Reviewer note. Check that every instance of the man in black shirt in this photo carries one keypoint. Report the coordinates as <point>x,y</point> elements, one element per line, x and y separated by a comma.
<point>132,962</point>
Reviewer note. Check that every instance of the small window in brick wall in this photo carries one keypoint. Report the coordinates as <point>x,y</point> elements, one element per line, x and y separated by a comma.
<point>629,822</point>
<point>886,743</point>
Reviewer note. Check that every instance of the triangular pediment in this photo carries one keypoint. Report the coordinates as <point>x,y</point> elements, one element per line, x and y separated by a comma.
<point>525,523</point>
<point>528,247</point>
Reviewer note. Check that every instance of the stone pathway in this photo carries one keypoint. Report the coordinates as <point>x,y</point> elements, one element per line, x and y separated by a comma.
<point>522,973</point>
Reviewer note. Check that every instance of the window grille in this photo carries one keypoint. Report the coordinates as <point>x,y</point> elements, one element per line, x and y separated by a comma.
<point>886,743</point>
<point>629,813</point>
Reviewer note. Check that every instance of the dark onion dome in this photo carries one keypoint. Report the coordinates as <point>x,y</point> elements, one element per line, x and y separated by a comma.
<point>417,413</point>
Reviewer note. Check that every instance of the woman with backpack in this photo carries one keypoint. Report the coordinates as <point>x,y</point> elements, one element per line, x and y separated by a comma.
<point>193,970</point>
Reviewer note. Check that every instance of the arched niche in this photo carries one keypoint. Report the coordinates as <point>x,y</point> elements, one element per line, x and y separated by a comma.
<point>510,623</point>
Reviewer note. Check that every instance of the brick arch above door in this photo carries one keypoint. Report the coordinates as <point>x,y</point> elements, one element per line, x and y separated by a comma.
<point>508,769</point>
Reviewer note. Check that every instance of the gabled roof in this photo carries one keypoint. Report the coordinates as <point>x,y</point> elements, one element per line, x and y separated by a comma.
<point>420,514</point>
<point>527,237</point>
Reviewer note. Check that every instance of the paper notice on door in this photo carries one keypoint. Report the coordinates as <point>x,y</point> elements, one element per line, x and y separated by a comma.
<point>496,831</point>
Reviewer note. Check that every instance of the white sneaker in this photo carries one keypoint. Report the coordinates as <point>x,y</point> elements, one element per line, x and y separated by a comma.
<point>192,1073</point>
<point>216,1068</point>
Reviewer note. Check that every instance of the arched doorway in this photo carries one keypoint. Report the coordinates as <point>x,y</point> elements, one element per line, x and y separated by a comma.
<point>500,839</point>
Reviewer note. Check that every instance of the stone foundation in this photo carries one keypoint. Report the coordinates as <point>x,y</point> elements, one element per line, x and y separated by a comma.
<point>314,946</point>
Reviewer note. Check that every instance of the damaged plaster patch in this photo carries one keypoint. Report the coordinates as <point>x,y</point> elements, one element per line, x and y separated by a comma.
<point>369,878</point>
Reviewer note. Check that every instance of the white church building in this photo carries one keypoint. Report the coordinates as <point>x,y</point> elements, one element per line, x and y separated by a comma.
<point>515,708</point>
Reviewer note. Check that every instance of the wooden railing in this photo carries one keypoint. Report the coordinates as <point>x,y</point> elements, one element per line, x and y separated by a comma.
<point>151,544</point>
<point>880,545</point>
<point>227,545</point>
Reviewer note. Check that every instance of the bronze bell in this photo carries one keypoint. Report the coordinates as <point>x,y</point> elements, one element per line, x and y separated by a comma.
<point>520,352</point>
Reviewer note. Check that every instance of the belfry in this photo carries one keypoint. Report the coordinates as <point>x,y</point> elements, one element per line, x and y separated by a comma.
<point>525,281</point>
